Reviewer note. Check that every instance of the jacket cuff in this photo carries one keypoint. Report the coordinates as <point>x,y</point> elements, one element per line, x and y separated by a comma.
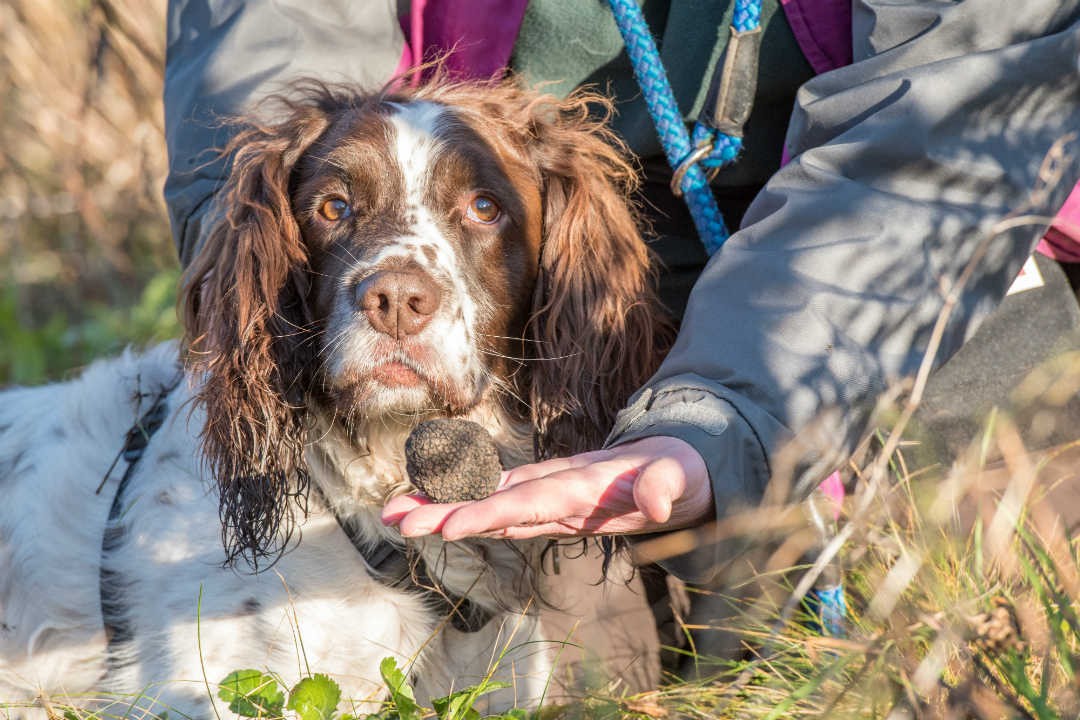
<point>715,422</point>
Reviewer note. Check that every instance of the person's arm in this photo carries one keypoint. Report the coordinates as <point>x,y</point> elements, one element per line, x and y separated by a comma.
<point>904,162</point>
<point>223,56</point>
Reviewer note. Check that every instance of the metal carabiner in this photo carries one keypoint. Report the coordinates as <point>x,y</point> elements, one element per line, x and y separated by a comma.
<point>700,153</point>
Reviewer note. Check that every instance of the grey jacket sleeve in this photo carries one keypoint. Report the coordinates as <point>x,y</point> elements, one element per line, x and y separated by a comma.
<point>222,56</point>
<point>904,162</point>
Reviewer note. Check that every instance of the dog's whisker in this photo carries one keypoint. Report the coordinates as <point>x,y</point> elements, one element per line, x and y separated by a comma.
<point>506,388</point>
<point>531,359</point>
<point>514,339</point>
<point>328,350</point>
<point>495,353</point>
<point>352,257</point>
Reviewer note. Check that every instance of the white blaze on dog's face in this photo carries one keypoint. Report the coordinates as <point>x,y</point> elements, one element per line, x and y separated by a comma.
<point>424,235</point>
<point>377,261</point>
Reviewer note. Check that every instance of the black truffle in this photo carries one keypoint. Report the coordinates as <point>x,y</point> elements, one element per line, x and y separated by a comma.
<point>452,460</point>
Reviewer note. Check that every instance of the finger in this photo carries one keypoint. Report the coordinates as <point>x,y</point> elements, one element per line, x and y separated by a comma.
<point>532,471</point>
<point>427,519</point>
<point>628,523</point>
<point>659,485</point>
<point>400,506</point>
<point>529,532</point>
<point>538,501</point>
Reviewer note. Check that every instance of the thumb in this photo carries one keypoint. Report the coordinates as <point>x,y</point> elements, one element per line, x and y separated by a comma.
<point>659,485</point>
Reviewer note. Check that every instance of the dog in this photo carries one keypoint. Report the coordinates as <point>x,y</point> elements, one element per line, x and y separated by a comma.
<point>377,259</point>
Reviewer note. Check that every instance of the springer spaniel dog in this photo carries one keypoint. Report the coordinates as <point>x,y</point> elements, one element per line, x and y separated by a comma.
<point>457,250</point>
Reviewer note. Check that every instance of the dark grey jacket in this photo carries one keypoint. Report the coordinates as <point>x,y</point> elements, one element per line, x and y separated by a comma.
<point>904,162</point>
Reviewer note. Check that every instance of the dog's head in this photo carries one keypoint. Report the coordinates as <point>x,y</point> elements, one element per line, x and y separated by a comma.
<point>413,254</point>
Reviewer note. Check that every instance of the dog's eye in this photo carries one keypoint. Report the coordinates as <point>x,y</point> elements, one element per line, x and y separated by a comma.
<point>335,209</point>
<point>483,209</point>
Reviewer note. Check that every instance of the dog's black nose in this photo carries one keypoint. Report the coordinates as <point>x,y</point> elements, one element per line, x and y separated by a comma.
<point>398,302</point>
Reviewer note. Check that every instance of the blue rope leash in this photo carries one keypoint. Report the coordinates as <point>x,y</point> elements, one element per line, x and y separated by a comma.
<point>714,149</point>
<point>828,611</point>
<point>709,146</point>
<point>726,148</point>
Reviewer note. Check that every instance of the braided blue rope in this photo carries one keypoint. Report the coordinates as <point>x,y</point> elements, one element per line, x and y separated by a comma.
<point>668,120</point>
<point>660,100</point>
<point>726,148</point>
<point>828,604</point>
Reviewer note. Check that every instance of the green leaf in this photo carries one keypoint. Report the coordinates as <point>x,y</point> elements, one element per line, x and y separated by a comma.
<point>459,705</point>
<point>252,693</point>
<point>513,714</point>
<point>315,698</point>
<point>401,693</point>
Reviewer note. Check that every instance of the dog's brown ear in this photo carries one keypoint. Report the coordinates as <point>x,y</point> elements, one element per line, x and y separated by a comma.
<point>598,327</point>
<point>247,330</point>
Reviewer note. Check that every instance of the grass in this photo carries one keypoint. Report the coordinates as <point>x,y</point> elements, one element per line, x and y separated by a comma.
<point>955,612</point>
<point>86,261</point>
<point>963,581</point>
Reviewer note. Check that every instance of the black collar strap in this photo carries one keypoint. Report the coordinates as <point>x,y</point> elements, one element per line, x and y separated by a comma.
<point>394,566</point>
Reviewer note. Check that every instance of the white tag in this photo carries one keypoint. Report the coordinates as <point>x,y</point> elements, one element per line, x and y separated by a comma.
<point>1028,279</point>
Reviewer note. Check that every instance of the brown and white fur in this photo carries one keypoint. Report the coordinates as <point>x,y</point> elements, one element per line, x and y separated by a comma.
<point>378,259</point>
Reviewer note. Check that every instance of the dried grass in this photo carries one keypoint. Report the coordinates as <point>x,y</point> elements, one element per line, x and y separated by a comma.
<point>82,162</point>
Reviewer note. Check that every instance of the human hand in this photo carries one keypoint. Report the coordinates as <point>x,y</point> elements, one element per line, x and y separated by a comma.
<point>656,483</point>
